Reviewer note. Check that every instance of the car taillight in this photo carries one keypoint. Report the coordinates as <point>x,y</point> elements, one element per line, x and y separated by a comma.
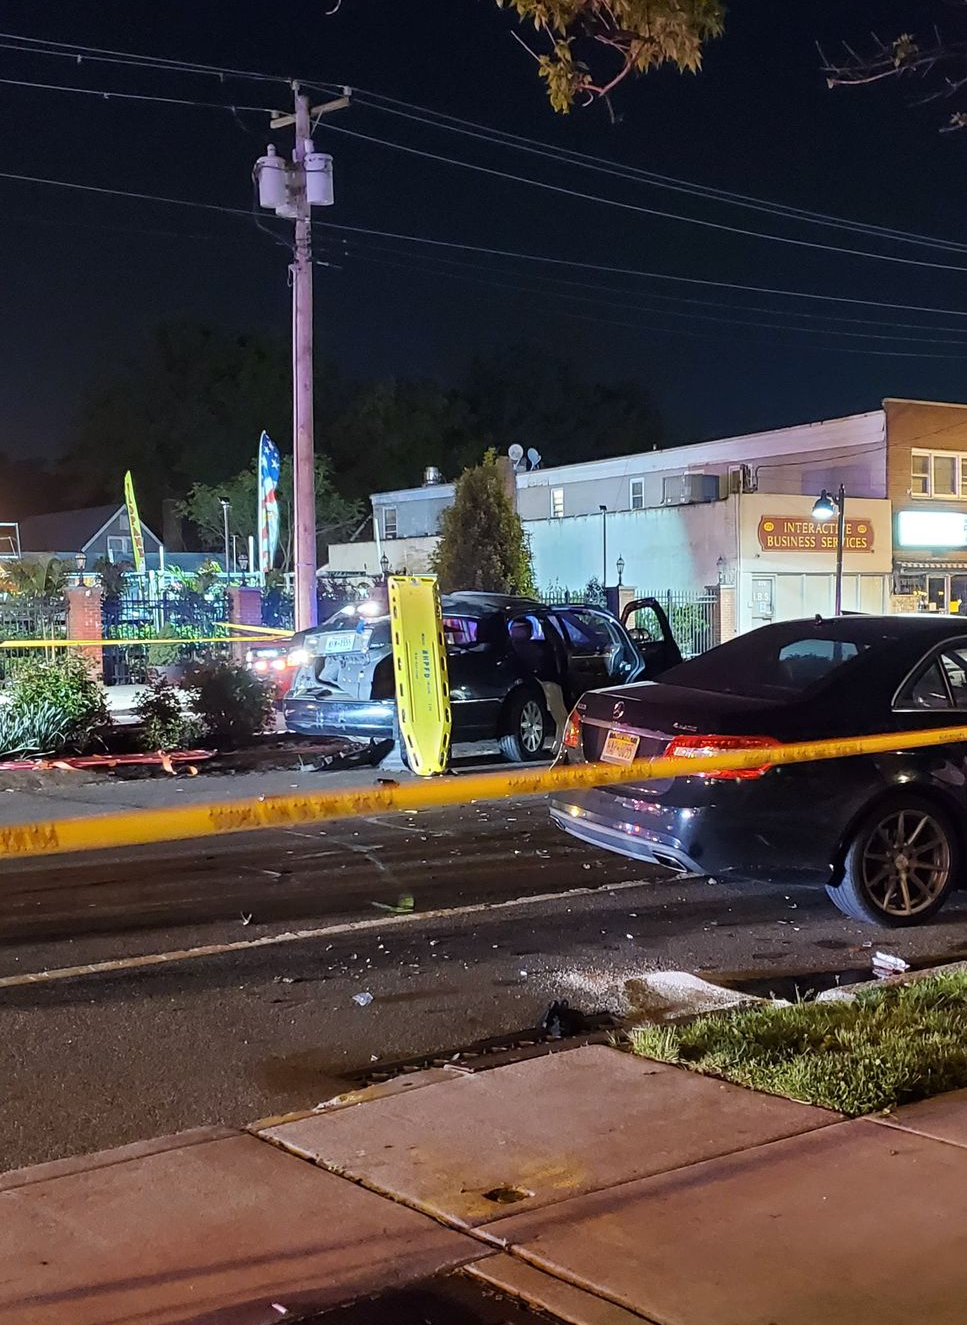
<point>703,747</point>
<point>278,664</point>
<point>572,732</point>
<point>298,658</point>
<point>260,665</point>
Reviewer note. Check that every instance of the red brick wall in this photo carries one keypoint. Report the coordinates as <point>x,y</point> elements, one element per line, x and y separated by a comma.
<point>84,622</point>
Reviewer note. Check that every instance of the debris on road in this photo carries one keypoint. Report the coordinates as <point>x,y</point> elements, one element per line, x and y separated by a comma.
<point>887,963</point>
<point>363,1000</point>
<point>246,918</point>
<point>405,904</point>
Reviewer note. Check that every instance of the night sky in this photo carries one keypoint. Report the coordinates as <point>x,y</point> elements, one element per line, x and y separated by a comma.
<point>85,277</point>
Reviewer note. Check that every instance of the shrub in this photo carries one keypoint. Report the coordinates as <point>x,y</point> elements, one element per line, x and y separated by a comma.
<point>165,725</point>
<point>67,688</point>
<point>31,728</point>
<point>232,703</point>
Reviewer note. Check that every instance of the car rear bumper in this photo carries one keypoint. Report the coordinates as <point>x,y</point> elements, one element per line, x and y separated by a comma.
<point>310,715</point>
<point>744,830</point>
<point>657,843</point>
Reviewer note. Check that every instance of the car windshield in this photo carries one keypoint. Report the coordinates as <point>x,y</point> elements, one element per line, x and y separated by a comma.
<point>774,661</point>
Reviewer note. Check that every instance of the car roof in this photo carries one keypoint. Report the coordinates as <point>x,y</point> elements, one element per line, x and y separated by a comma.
<point>472,600</point>
<point>858,626</point>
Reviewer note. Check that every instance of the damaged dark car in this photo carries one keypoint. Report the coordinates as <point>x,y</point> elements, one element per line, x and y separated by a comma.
<point>515,666</point>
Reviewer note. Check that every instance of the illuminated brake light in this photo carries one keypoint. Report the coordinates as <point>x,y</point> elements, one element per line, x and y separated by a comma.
<point>707,747</point>
<point>572,732</point>
<point>278,664</point>
<point>260,665</point>
<point>298,658</point>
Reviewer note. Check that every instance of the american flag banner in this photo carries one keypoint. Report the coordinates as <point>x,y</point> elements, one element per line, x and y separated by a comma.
<point>268,512</point>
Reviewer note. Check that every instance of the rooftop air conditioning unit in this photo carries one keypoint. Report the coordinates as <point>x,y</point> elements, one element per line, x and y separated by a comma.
<point>431,476</point>
<point>689,489</point>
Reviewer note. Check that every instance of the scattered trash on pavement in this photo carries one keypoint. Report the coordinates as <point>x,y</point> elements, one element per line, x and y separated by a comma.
<point>364,999</point>
<point>887,963</point>
<point>405,904</point>
<point>561,1020</point>
<point>246,919</point>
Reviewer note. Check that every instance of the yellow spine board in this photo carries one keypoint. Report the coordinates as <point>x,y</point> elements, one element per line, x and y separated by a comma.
<point>420,669</point>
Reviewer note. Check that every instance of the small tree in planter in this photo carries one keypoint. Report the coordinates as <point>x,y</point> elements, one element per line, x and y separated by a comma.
<point>482,541</point>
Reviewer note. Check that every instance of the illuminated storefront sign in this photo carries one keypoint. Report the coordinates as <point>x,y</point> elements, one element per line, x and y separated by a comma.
<point>793,533</point>
<point>931,529</point>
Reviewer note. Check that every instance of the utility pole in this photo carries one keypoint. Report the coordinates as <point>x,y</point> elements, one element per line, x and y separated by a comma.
<point>292,190</point>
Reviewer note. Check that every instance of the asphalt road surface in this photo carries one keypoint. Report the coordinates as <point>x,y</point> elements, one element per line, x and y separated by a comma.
<point>507,915</point>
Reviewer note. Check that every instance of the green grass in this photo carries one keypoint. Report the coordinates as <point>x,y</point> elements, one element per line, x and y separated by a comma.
<point>889,1047</point>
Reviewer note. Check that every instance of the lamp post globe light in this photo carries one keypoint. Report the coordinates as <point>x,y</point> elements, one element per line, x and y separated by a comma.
<point>824,509</point>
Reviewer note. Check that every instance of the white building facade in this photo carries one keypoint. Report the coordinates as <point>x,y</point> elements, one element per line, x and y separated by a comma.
<point>730,514</point>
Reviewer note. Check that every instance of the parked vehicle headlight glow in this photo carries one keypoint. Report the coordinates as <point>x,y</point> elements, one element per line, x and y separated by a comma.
<point>298,658</point>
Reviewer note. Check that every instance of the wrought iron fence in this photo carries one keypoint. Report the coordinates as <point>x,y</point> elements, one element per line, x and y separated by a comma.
<point>693,617</point>
<point>144,612</point>
<point>28,618</point>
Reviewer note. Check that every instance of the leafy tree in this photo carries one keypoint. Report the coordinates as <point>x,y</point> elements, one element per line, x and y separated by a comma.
<point>44,581</point>
<point>588,47</point>
<point>482,542</point>
<point>335,517</point>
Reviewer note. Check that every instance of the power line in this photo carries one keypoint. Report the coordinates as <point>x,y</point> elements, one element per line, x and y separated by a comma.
<point>611,303</point>
<point>637,207</point>
<point>737,322</point>
<point>452,124</point>
<point>492,252</point>
<point>407,110</point>
<point>98,54</point>
<point>106,95</point>
<point>800,349</point>
<point>637,273</point>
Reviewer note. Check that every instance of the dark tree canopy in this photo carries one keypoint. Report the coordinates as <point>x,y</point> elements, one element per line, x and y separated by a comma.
<point>187,415</point>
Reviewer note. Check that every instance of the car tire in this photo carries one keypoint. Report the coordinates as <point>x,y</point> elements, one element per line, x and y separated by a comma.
<point>902,862</point>
<point>526,727</point>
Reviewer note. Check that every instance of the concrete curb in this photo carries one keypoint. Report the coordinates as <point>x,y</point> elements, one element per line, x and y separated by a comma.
<point>848,993</point>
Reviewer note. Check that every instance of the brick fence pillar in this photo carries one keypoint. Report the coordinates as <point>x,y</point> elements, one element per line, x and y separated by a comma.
<point>727,623</point>
<point>244,609</point>
<point>84,622</point>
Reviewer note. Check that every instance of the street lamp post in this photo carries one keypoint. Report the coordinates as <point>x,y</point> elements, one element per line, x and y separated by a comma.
<point>384,566</point>
<point>604,546</point>
<point>620,565</point>
<point>226,507</point>
<point>823,510</point>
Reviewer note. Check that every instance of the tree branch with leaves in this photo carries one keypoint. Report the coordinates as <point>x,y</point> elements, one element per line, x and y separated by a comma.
<point>587,47</point>
<point>936,62</point>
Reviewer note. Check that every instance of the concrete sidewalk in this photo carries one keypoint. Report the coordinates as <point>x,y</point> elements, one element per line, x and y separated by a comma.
<point>604,1188</point>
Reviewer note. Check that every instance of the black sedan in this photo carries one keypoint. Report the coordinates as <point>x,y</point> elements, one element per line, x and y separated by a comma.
<point>886,833</point>
<point>515,668</point>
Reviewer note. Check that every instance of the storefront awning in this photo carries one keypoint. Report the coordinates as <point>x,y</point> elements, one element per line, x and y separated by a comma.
<point>905,567</point>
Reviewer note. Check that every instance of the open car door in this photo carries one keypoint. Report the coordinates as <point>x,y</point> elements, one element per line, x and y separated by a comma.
<point>647,623</point>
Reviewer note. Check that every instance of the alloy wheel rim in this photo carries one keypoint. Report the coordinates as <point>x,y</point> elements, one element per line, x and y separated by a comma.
<point>906,862</point>
<point>532,727</point>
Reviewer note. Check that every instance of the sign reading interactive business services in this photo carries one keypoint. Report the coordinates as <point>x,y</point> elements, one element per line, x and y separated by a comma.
<point>793,533</point>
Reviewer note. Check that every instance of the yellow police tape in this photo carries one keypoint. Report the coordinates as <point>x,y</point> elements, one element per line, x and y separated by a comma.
<point>140,827</point>
<point>105,641</point>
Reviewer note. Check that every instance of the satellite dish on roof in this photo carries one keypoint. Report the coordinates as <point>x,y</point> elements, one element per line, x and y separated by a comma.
<point>534,457</point>
<point>516,454</point>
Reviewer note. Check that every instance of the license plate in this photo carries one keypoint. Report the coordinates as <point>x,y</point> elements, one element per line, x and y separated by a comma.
<point>344,641</point>
<point>620,748</point>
